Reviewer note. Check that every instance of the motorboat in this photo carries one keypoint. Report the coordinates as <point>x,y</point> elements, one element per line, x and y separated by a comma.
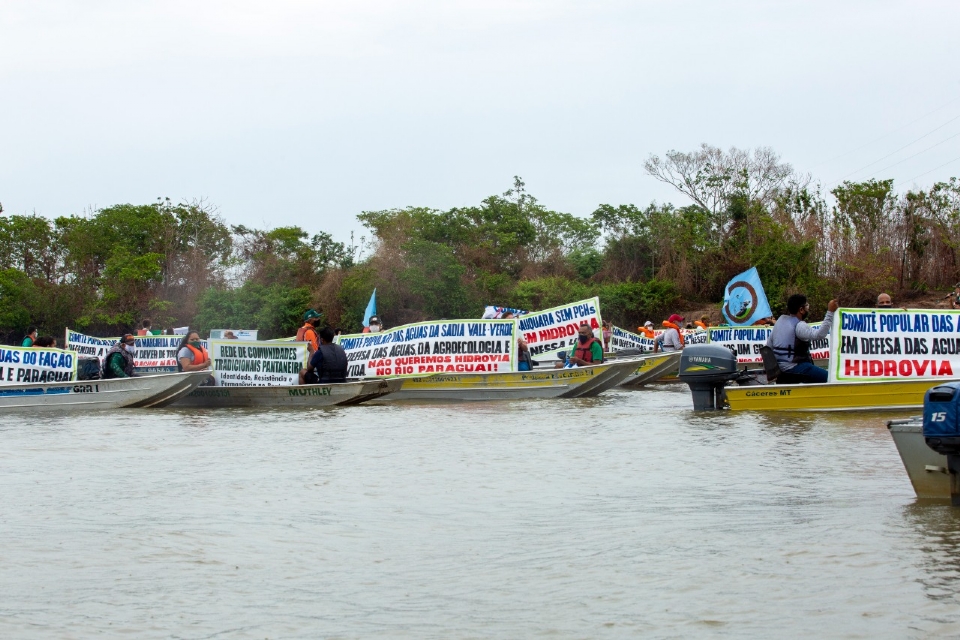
<point>114,393</point>
<point>926,468</point>
<point>652,367</point>
<point>575,382</point>
<point>312,395</point>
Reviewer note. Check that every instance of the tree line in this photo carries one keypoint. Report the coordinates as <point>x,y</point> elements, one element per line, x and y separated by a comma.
<point>181,264</point>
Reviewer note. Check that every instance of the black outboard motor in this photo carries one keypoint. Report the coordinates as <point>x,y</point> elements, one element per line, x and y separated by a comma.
<point>941,429</point>
<point>706,368</point>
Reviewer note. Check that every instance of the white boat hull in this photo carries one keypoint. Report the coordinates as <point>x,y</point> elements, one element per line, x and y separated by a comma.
<point>314,395</point>
<point>142,391</point>
<point>926,468</point>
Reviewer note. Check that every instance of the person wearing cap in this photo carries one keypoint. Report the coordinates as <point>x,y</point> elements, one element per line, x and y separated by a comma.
<point>375,325</point>
<point>119,360</point>
<point>790,341</point>
<point>671,339</point>
<point>647,330</point>
<point>308,332</point>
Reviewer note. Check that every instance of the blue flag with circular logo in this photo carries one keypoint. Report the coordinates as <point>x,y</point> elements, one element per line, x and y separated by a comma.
<point>744,301</point>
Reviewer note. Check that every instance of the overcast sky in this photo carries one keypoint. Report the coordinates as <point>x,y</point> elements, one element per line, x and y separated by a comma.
<point>307,113</point>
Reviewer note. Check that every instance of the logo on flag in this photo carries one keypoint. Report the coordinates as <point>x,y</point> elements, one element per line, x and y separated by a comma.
<point>744,301</point>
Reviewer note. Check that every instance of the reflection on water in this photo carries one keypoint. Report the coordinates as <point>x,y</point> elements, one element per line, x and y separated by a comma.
<point>622,515</point>
<point>933,527</point>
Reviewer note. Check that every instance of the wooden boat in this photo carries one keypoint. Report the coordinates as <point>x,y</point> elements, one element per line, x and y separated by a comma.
<point>652,367</point>
<point>313,395</point>
<point>831,396</point>
<point>926,468</point>
<point>142,392</point>
<point>517,385</point>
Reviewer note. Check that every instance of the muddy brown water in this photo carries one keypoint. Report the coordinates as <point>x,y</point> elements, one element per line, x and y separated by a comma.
<point>625,515</point>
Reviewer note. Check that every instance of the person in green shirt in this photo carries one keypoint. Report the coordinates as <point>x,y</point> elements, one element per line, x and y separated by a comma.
<point>30,338</point>
<point>119,360</point>
<point>588,350</point>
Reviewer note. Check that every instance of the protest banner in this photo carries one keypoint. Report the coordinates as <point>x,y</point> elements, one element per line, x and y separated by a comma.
<point>19,365</point>
<point>746,342</point>
<point>553,330</point>
<point>238,334</point>
<point>256,363</point>
<point>695,336</point>
<point>495,313</point>
<point>446,346</point>
<point>876,344</point>
<point>623,339</point>
<point>155,354</point>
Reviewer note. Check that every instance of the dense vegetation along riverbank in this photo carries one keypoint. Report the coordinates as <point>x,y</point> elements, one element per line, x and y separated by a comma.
<point>183,264</point>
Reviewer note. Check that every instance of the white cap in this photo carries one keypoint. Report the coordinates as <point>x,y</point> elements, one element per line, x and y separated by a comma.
<point>648,324</point>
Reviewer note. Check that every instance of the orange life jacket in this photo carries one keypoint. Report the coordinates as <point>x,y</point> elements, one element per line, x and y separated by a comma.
<point>647,332</point>
<point>671,325</point>
<point>303,335</point>
<point>583,351</point>
<point>200,356</point>
<point>701,325</point>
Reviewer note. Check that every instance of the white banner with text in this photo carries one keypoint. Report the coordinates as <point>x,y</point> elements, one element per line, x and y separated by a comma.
<point>447,346</point>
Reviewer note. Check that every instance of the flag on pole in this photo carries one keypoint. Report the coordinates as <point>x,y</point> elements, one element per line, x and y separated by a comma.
<point>744,301</point>
<point>371,309</point>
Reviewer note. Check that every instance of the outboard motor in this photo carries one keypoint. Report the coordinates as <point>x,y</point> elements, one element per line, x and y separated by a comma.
<point>706,368</point>
<point>941,429</point>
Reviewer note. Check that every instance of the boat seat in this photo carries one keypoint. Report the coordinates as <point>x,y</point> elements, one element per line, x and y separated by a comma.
<point>773,372</point>
<point>770,366</point>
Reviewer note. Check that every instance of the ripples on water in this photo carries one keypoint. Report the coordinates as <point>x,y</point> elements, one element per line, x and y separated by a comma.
<point>619,516</point>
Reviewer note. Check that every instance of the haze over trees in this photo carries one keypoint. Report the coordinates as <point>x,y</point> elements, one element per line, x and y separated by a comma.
<point>181,264</point>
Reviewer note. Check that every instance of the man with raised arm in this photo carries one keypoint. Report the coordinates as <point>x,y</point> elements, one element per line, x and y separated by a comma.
<point>790,341</point>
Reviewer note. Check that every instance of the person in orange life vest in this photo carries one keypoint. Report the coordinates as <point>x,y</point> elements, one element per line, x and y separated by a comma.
<point>671,339</point>
<point>192,356</point>
<point>588,350</point>
<point>647,330</point>
<point>308,332</point>
<point>703,322</point>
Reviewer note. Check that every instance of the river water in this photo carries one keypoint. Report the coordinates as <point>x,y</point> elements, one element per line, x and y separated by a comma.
<point>621,516</point>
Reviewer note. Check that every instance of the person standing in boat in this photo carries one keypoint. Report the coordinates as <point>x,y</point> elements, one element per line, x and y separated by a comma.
<point>119,360</point>
<point>588,350</point>
<point>671,339</point>
<point>192,356</point>
<point>328,364</point>
<point>647,330</point>
<point>790,341</point>
<point>308,332</point>
<point>375,325</point>
<point>30,338</point>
